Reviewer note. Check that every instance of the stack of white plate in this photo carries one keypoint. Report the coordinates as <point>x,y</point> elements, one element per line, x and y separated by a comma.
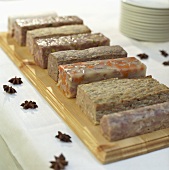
<point>145,20</point>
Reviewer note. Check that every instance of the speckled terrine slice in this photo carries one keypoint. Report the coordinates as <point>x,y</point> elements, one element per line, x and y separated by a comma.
<point>53,31</point>
<point>115,95</point>
<point>72,75</point>
<point>21,26</point>
<point>73,56</point>
<point>44,46</point>
<point>12,19</point>
<point>135,122</point>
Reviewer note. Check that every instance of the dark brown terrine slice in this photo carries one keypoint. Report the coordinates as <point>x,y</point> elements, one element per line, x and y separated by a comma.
<point>45,46</point>
<point>115,95</point>
<point>72,75</point>
<point>135,122</point>
<point>53,31</point>
<point>21,26</point>
<point>74,56</point>
<point>12,19</point>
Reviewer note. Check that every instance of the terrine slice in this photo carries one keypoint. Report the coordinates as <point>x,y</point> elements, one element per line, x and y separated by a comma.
<point>135,122</point>
<point>73,56</point>
<point>115,95</point>
<point>21,26</point>
<point>44,46</point>
<point>12,19</point>
<point>72,75</point>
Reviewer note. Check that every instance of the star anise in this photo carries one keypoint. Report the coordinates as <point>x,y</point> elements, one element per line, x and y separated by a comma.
<point>59,162</point>
<point>15,80</point>
<point>9,89</point>
<point>142,56</point>
<point>166,63</point>
<point>164,53</point>
<point>63,137</point>
<point>29,105</point>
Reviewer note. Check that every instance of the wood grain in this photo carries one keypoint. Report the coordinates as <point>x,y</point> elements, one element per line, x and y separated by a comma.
<point>67,109</point>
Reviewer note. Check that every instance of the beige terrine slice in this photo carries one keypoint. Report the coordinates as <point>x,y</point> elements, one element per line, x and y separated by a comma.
<point>135,122</point>
<point>72,75</point>
<point>115,95</point>
<point>73,56</point>
<point>48,32</point>
<point>44,46</point>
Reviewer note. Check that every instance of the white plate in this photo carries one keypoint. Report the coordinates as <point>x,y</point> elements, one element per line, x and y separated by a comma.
<point>145,20</point>
<point>142,38</point>
<point>144,34</point>
<point>141,25</point>
<point>155,4</point>
<point>135,34</point>
<point>155,26</point>
<point>150,11</point>
<point>147,33</point>
<point>143,16</point>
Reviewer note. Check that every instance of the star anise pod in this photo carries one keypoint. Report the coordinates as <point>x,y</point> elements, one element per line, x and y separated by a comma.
<point>166,63</point>
<point>29,105</point>
<point>164,53</point>
<point>142,56</point>
<point>15,80</point>
<point>59,162</point>
<point>63,137</point>
<point>9,89</point>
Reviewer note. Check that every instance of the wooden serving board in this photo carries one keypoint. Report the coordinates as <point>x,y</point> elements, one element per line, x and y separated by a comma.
<point>103,150</point>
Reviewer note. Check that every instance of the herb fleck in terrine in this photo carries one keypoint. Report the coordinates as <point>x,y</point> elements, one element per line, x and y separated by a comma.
<point>72,75</point>
<point>44,46</point>
<point>21,26</point>
<point>135,122</point>
<point>12,19</point>
<point>53,31</point>
<point>73,56</point>
<point>115,95</point>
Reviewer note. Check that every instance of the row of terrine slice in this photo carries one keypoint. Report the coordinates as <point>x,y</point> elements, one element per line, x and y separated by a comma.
<point>115,95</point>
<point>44,46</point>
<point>21,26</point>
<point>73,56</point>
<point>135,122</point>
<point>72,75</point>
<point>48,32</point>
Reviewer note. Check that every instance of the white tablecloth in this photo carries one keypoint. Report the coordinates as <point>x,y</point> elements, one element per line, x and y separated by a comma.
<point>27,137</point>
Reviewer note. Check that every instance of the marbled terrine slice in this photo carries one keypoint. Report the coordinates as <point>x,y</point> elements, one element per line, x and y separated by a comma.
<point>12,19</point>
<point>53,31</point>
<point>135,122</point>
<point>21,26</point>
<point>44,46</point>
<point>72,75</point>
<point>115,95</point>
<point>73,56</point>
